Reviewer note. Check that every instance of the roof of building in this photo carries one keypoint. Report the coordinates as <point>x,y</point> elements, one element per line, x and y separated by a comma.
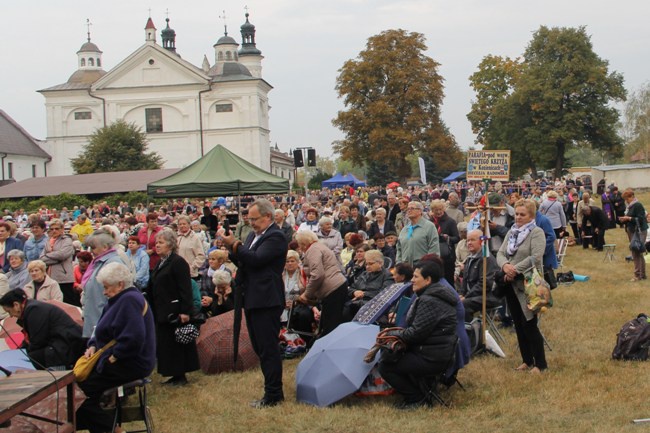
<point>226,40</point>
<point>94,183</point>
<point>89,47</point>
<point>621,167</point>
<point>229,71</point>
<point>14,140</point>
<point>150,24</point>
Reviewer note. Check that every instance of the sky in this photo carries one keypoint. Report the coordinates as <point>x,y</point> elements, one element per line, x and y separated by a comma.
<point>304,44</point>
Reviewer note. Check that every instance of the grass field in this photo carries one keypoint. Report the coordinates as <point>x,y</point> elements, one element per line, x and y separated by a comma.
<point>583,390</point>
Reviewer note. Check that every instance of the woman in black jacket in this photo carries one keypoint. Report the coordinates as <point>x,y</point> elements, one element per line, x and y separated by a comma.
<point>170,295</point>
<point>430,336</point>
<point>448,237</point>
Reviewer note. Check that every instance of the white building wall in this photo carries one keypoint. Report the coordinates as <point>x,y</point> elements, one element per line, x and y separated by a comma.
<point>23,167</point>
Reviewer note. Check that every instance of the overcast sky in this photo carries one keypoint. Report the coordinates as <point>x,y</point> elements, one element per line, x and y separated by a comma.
<point>304,43</point>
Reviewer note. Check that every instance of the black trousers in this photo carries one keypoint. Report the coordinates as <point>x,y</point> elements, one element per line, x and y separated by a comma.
<point>529,337</point>
<point>332,310</point>
<point>70,296</point>
<point>475,303</point>
<point>406,374</point>
<point>264,330</point>
<point>90,416</point>
<point>599,239</point>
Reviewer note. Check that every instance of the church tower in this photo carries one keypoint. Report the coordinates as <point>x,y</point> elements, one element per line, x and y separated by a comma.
<point>150,31</point>
<point>169,38</point>
<point>249,55</point>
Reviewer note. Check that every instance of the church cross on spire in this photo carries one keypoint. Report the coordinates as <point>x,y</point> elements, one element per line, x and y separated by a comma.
<point>225,24</point>
<point>88,24</point>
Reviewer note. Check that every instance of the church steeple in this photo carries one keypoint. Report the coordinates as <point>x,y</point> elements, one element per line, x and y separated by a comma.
<point>249,55</point>
<point>89,55</point>
<point>150,31</point>
<point>168,38</point>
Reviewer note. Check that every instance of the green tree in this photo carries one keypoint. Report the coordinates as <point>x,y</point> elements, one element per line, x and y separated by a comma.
<point>315,182</point>
<point>636,124</point>
<point>556,97</point>
<point>118,147</point>
<point>392,93</point>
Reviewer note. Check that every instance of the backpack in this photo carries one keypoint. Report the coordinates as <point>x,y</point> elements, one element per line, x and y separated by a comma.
<point>633,340</point>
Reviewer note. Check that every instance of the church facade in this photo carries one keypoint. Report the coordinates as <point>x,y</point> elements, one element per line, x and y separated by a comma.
<point>185,110</point>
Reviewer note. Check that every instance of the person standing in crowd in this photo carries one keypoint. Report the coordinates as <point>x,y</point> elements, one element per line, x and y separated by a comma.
<point>585,231</point>
<point>553,210</point>
<point>7,243</point>
<point>401,219</point>
<point>392,209</point>
<point>279,218</point>
<point>599,223</point>
<point>147,237</point>
<point>84,258</point>
<point>57,255</point>
<point>137,255</point>
<point>260,260</point>
<point>345,223</point>
<point>190,247</point>
<point>83,228</point>
<point>635,219</point>
<point>243,228</point>
<point>210,221</point>
<point>524,241</point>
<point>330,237</point>
<point>448,237</point>
<point>417,238</point>
<point>358,217</point>
<point>453,210</point>
<point>170,295</point>
<point>35,245</point>
<point>381,224</point>
<point>325,281</point>
<point>311,221</point>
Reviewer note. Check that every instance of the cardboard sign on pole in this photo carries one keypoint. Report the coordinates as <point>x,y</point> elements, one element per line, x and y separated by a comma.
<point>488,164</point>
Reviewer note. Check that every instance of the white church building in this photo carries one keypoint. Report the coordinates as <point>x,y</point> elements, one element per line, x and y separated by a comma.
<point>184,109</point>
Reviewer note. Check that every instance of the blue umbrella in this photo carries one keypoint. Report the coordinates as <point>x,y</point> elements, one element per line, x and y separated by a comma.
<point>334,367</point>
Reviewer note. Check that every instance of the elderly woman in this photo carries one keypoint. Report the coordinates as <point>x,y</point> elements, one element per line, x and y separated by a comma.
<point>325,281</point>
<point>41,286</point>
<point>217,261</point>
<point>280,221</point>
<point>367,285</point>
<point>224,300</point>
<point>53,339</point>
<point>102,246</point>
<point>147,237</point>
<point>448,237</point>
<point>381,224</point>
<point>140,260</point>
<point>345,223</point>
<point>18,274</point>
<point>357,265</point>
<point>524,241</point>
<point>170,293</point>
<point>190,247</point>
<point>127,320</point>
<point>330,237</point>
<point>429,336</point>
<point>7,243</point>
<point>311,221</point>
<point>57,255</point>
<point>554,211</point>
<point>302,315</point>
<point>634,219</point>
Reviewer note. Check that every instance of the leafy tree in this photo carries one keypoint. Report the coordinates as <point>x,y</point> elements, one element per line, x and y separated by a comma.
<point>315,182</point>
<point>392,93</point>
<point>636,123</point>
<point>557,96</point>
<point>347,167</point>
<point>118,147</point>
<point>380,173</point>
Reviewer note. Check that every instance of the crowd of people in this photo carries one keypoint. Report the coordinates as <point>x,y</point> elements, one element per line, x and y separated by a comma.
<point>313,259</point>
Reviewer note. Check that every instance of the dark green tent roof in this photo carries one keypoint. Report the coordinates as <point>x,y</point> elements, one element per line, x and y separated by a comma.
<point>219,172</point>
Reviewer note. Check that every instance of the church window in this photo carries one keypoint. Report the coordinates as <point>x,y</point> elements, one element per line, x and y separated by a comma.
<point>154,119</point>
<point>83,115</point>
<point>83,62</point>
<point>33,170</point>
<point>99,62</point>
<point>223,108</point>
<point>91,61</point>
<point>151,62</point>
<point>220,56</point>
<point>10,169</point>
<point>228,55</point>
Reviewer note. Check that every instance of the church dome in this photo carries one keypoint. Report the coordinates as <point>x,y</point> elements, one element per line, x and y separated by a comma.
<point>229,70</point>
<point>86,76</point>
<point>226,40</point>
<point>89,47</point>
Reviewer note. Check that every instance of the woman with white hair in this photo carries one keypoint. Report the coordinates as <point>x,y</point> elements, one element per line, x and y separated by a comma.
<point>381,224</point>
<point>102,246</point>
<point>330,237</point>
<point>190,247</point>
<point>57,255</point>
<point>42,287</point>
<point>18,274</point>
<point>127,320</point>
<point>325,280</point>
<point>223,299</point>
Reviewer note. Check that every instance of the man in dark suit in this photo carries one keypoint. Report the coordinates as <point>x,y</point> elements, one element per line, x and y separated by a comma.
<point>260,260</point>
<point>599,223</point>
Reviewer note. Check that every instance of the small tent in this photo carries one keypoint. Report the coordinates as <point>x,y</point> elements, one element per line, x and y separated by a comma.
<point>218,172</point>
<point>340,180</point>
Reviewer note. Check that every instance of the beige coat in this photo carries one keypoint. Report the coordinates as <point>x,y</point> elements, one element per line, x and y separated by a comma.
<point>49,290</point>
<point>59,259</point>
<point>532,247</point>
<point>191,249</point>
<point>323,271</point>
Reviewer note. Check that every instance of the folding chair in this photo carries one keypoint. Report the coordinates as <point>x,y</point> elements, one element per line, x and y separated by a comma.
<point>429,384</point>
<point>131,413</point>
<point>563,244</point>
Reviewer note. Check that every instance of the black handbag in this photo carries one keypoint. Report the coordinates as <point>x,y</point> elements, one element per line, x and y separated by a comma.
<point>637,244</point>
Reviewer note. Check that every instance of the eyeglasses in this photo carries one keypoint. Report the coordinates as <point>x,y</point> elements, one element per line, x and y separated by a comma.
<point>413,208</point>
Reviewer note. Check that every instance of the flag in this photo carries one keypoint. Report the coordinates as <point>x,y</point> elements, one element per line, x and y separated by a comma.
<point>423,173</point>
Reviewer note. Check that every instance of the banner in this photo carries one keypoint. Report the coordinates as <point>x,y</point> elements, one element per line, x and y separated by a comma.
<point>423,173</point>
<point>488,164</point>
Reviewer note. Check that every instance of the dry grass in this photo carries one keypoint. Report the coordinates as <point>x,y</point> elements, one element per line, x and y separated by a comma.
<point>584,390</point>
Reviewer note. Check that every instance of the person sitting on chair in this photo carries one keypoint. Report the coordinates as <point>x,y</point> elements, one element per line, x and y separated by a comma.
<point>429,337</point>
<point>52,338</point>
<point>368,285</point>
<point>471,290</point>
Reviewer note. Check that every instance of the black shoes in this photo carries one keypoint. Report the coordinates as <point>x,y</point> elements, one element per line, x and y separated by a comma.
<point>176,381</point>
<point>266,402</point>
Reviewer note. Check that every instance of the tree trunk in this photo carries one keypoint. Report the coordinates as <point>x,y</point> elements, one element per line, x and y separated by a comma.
<point>559,159</point>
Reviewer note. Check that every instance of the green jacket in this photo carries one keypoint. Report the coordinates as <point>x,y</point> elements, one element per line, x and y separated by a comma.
<point>417,240</point>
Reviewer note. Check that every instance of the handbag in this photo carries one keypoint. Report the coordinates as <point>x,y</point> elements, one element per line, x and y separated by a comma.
<point>538,292</point>
<point>637,244</point>
<point>84,366</point>
<point>186,334</point>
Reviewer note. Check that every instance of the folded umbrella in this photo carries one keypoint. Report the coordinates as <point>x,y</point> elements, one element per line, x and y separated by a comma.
<point>334,367</point>
<point>372,310</point>
<point>215,346</point>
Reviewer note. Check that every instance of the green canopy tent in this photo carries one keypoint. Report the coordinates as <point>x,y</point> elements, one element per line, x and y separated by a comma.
<point>219,172</point>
